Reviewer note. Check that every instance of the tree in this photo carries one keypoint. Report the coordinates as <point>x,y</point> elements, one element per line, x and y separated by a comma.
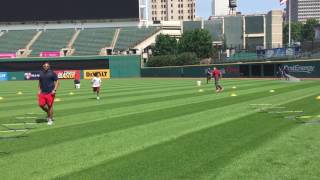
<point>164,60</point>
<point>187,58</point>
<point>165,45</point>
<point>198,41</point>
<point>296,32</point>
<point>308,29</point>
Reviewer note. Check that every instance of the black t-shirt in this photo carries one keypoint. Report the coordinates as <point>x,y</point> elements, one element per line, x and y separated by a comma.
<point>46,81</point>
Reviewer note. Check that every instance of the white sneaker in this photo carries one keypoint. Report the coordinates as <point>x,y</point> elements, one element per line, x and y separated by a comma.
<point>50,119</point>
<point>50,122</point>
<point>98,97</point>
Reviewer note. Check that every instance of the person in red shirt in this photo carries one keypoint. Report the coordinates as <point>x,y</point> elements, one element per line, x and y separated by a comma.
<point>77,80</point>
<point>217,76</point>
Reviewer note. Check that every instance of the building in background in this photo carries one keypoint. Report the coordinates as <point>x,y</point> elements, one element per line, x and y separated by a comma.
<point>274,29</point>
<point>317,32</point>
<point>243,32</point>
<point>301,10</point>
<point>220,7</point>
<point>172,10</point>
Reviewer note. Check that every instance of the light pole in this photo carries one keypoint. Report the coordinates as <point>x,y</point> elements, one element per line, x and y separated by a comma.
<point>289,10</point>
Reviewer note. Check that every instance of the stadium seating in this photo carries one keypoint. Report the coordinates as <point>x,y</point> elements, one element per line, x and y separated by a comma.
<point>90,41</point>
<point>52,40</point>
<point>12,41</point>
<point>243,56</point>
<point>131,36</point>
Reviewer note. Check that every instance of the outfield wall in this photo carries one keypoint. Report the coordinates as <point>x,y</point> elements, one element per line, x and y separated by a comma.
<point>229,71</point>
<point>299,68</point>
<point>119,66</point>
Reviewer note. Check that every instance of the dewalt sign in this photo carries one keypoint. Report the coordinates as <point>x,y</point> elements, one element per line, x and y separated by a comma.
<point>103,73</point>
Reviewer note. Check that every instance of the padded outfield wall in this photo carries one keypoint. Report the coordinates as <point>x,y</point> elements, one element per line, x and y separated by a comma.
<point>229,71</point>
<point>117,66</point>
<point>297,68</point>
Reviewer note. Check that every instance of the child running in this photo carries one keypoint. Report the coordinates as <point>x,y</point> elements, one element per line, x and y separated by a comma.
<point>96,83</point>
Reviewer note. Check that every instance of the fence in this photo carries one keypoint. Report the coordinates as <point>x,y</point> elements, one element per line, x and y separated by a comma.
<point>120,66</point>
<point>297,68</point>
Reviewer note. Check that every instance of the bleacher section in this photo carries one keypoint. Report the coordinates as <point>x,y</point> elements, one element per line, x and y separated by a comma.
<point>12,41</point>
<point>90,41</point>
<point>243,57</point>
<point>131,36</point>
<point>52,40</point>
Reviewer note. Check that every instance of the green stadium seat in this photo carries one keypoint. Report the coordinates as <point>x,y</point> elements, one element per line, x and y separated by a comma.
<point>243,57</point>
<point>91,41</point>
<point>14,40</point>
<point>131,36</point>
<point>52,40</point>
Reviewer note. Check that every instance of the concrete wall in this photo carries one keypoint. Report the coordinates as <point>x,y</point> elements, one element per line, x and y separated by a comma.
<point>274,29</point>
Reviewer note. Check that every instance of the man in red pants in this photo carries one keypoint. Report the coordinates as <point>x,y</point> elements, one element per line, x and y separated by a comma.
<point>48,84</point>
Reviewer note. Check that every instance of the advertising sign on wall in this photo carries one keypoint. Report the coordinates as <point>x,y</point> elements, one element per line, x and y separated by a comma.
<point>103,73</point>
<point>296,68</point>
<point>31,75</point>
<point>3,76</point>
<point>8,55</point>
<point>50,54</point>
<point>67,74</point>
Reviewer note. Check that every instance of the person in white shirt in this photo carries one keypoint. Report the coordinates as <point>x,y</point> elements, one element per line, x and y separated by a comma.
<point>96,84</point>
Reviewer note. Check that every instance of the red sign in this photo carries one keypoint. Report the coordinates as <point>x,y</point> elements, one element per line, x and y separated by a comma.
<point>232,69</point>
<point>50,54</point>
<point>67,74</point>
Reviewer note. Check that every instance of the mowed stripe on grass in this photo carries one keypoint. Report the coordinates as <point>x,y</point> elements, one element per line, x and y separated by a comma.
<point>189,137</point>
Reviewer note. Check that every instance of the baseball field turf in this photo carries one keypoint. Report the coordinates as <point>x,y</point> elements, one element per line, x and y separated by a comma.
<point>162,129</point>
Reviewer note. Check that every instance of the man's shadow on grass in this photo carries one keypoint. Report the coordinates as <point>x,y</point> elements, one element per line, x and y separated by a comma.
<point>93,98</point>
<point>41,120</point>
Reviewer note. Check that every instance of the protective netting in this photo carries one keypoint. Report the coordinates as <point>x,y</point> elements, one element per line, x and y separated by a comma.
<point>233,29</point>
<point>191,25</point>
<point>253,42</point>
<point>215,29</point>
<point>254,24</point>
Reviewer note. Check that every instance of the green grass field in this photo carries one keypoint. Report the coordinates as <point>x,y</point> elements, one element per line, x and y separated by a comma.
<point>163,129</point>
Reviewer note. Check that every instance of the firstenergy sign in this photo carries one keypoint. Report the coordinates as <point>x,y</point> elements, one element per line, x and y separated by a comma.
<point>300,69</point>
<point>103,73</point>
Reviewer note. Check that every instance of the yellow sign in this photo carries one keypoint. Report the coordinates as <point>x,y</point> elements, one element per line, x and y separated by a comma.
<point>103,73</point>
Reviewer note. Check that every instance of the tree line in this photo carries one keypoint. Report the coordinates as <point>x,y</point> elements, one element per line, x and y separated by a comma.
<point>188,50</point>
<point>196,45</point>
<point>300,32</point>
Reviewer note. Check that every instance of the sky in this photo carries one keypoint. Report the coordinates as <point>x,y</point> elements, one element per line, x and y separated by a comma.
<point>245,6</point>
